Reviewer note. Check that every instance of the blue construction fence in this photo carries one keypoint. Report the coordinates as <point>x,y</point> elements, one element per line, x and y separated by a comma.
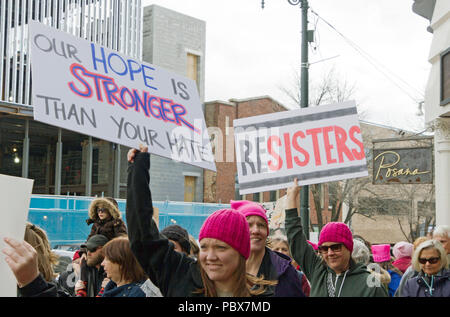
<point>64,217</point>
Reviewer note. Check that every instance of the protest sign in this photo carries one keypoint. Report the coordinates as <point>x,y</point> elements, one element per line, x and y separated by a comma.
<point>88,88</point>
<point>315,145</point>
<point>15,194</point>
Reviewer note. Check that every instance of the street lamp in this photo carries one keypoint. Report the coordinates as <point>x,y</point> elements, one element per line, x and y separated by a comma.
<point>304,194</point>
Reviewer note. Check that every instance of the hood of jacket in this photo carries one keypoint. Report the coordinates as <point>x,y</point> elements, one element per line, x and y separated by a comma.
<point>102,203</point>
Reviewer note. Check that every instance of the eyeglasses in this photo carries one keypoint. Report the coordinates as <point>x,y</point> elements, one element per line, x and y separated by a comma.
<point>102,210</point>
<point>333,247</point>
<point>431,260</point>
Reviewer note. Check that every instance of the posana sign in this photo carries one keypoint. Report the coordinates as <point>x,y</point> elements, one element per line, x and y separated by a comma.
<point>403,166</point>
<point>314,145</point>
<point>87,88</point>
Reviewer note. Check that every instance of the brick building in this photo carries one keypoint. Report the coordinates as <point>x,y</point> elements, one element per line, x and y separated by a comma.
<point>220,187</point>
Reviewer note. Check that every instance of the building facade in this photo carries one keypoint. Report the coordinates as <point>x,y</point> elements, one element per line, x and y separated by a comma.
<point>176,42</point>
<point>221,187</point>
<point>60,161</point>
<point>437,97</point>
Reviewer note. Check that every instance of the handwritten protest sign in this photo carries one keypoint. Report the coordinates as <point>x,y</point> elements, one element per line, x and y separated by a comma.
<point>15,194</point>
<point>87,88</point>
<point>316,145</point>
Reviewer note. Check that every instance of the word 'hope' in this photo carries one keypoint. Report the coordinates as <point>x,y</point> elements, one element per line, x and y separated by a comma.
<point>119,66</point>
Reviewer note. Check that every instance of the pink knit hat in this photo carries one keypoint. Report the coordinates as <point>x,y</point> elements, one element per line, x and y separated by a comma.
<point>337,232</point>
<point>250,208</point>
<point>381,252</point>
<point>403,249</point>
<point>313,245</point>
<point>229,226</point>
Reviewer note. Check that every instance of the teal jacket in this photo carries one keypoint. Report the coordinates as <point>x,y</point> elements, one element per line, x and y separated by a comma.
<point>356,282</point>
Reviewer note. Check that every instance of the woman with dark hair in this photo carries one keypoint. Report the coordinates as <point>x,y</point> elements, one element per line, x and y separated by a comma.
<point>224,245</point>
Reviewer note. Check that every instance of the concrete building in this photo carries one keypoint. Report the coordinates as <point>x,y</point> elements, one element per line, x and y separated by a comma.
<point>437,97</point>
<point>60,161</point>
<point>176,42</point>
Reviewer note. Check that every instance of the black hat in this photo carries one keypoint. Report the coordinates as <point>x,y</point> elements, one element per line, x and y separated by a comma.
<point>178,234</point>
<point>94,242</point>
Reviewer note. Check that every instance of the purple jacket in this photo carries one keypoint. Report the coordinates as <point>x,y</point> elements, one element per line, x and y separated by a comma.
<point>416,286</point>
<point>289,281</point>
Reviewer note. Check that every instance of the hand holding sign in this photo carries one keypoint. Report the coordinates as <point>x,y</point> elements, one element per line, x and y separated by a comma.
<point>22,259</point>
<point>132,153</point>
<point>293,195</point>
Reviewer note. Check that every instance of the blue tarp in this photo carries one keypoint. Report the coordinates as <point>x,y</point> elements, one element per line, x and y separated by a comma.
<point>64,217</point>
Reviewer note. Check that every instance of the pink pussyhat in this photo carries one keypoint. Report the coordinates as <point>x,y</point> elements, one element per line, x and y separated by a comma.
<point>403,249</point>
<point>250,208</point>
<point>313,245</point>
<point>381,252</point>
<point>229,226</point>
<point>337,232</point>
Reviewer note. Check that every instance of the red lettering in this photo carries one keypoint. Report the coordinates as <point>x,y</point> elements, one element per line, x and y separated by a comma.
<point>341,138</point>
<point>328,146</point>
<point>358,155</point>
<point>275,155</point>
<point>300,149</point>
<point>314,133</point>
<point>288,150</point>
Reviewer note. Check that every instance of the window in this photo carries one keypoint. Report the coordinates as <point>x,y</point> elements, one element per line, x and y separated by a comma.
<point>445,77</point>
<point>192,66</point>
<point>189,188</point>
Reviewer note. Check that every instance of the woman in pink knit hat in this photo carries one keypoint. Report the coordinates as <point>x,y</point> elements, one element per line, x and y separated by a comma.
<point>334,273</point>
<point>263,261</point>
<point>224,246</point>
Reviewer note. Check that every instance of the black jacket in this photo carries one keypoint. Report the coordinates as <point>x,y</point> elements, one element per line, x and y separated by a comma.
<point>175,274</point>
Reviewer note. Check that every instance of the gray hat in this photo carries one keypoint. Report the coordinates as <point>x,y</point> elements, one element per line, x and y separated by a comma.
<point>94,242</point>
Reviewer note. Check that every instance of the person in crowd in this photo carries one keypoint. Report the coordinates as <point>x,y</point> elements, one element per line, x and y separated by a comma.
<point>402,252</point>
<point>281,245</point>
<point>433,280</point>
<point>382,256</point>
<point>264,262</point>
<point>442,234</point>
<point>38,239</point>
<point>32,259</point>
<point>92,274</point>
<point>334,274</point>
<point>224,245</point>
<point>125,277</point>
<point>194,247</point>
<point>104,215</point>
<point>179,237</point>
<point>410,272</point>
<point>367,243</point>
<point>71,275</point>
<point>361,254</point>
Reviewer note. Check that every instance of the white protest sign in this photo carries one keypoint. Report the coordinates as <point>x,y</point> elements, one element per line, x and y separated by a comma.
<point>15,194</point>
<point>88,88</point>
<point>314,145</point>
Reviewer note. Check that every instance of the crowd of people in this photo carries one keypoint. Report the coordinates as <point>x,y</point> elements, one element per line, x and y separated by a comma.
<point>234,256</point>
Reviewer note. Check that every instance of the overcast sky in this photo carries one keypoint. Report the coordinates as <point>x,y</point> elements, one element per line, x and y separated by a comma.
<point>254,52</point>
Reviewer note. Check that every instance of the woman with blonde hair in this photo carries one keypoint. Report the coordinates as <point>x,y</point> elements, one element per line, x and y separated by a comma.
<point>224,246</point>
<point>433,280</point>
<point>410,272</point>
<point>37,238</point>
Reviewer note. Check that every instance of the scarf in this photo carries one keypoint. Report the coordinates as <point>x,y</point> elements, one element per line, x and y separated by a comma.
<point>402,264</point>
